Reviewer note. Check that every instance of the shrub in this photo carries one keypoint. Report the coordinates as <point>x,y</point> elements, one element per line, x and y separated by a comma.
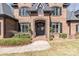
<point>77,36</point>
<point>62,35</point>
<point>18,39</point>
<point>14,41</point>
<point>51,29</point>
<point>22,35</point>
<point>51,36</point>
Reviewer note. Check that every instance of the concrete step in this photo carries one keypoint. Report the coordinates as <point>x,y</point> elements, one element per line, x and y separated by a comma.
<point>39,38</point>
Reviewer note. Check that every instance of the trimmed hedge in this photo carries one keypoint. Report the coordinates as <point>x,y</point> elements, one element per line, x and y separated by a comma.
<point>62,35</point>
<point>14,41</point>
<point>22,35</point>
<point>19,39</point>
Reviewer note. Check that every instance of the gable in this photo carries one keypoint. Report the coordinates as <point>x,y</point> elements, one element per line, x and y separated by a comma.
<point>42,5</point>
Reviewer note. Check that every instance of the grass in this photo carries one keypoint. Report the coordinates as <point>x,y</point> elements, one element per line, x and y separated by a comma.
<point>58,48</point>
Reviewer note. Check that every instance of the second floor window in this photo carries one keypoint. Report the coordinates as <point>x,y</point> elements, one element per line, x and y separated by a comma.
<point>23,11</point>
<point>56,11</point>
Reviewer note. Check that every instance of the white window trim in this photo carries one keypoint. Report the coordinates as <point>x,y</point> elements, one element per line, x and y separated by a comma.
<point>25,24</point>
<point>59,27</point>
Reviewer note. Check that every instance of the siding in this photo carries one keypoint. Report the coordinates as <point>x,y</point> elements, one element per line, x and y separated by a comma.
<point>10,25</point>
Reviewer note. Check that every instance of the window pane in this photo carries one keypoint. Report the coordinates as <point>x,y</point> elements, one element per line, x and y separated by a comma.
<point>53,29</point>
<point>56,11</point>
<point>57,27</point>
<point>26,28</point>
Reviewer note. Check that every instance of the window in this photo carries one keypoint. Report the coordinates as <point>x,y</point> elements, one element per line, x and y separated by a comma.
<point>77,28</point>
<point>56,11</point>
<point>24,27</point>
<point>23,11</point>
<point>56,27</point>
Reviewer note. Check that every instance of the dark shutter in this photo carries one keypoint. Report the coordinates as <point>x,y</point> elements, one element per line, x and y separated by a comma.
<point>60,11</point>
<point>76,28</point>
<point>60,27</point>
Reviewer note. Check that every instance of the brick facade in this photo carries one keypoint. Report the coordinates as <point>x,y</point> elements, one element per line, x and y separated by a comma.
<point>47,18</point>
<point>7,24</point>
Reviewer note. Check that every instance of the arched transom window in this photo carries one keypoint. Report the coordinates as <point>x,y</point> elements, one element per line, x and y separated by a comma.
<point>23,11</point>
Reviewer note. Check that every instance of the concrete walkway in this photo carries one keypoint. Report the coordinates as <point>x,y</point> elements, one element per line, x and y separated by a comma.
<point>35,46</point>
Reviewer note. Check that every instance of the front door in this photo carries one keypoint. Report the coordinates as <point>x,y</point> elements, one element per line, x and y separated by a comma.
<point>40,27</point>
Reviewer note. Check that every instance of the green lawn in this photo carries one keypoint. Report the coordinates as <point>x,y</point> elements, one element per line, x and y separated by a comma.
<point>58,47</point>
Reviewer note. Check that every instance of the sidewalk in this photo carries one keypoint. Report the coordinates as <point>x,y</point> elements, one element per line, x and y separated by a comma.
<point>35,46</point>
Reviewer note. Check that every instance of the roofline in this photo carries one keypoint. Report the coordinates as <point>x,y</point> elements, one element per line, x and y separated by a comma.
<point>7,16</point>
<point>72,20</point>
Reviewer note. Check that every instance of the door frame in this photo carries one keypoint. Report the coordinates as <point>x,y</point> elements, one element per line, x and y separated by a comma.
<point>38,19</point>
<point>38,22</point>
<point>47,26</point>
